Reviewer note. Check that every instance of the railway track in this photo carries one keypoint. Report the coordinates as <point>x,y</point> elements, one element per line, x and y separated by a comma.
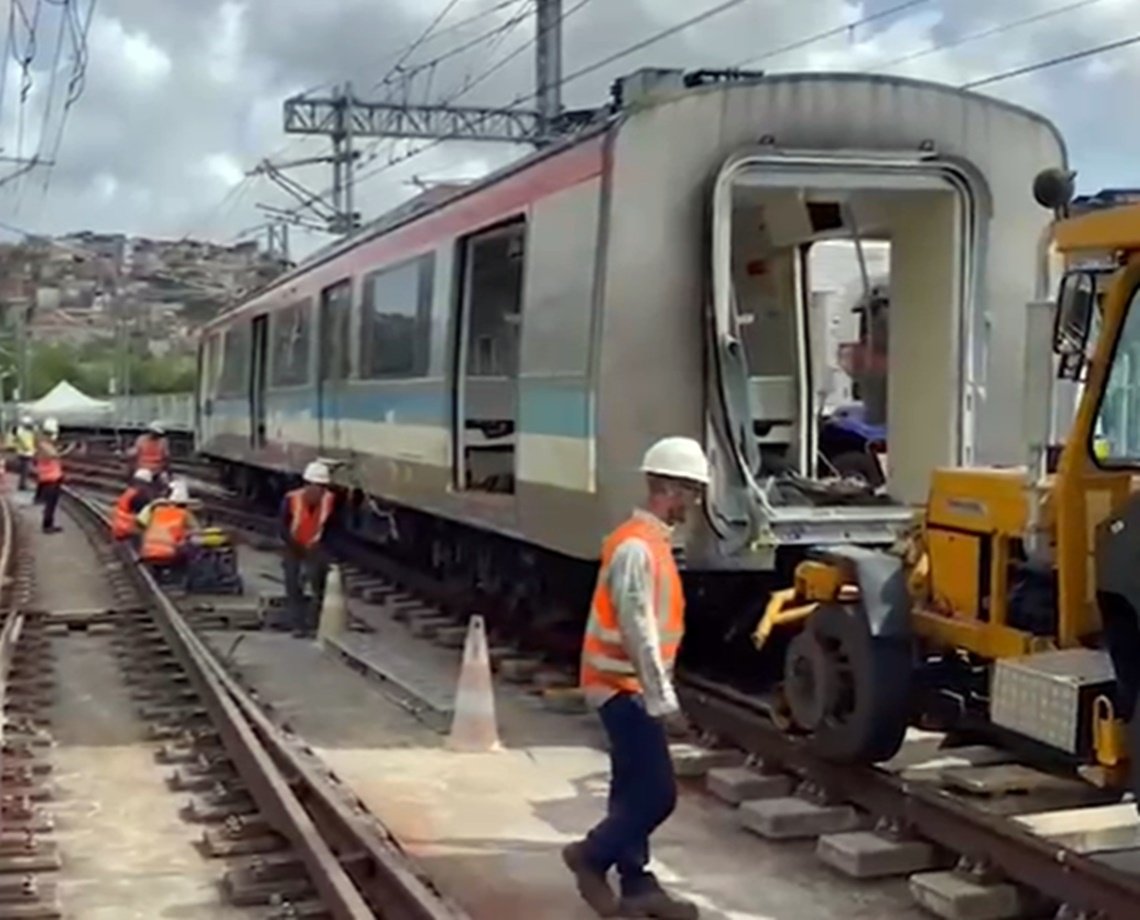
<point>979,831</point>
<point>94,695</point>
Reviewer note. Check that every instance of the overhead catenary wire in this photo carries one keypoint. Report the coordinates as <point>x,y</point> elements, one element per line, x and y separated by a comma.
<point>1094,51</point>
<point>832,32</point>
<point>415,45</point>
<point>982,34</point>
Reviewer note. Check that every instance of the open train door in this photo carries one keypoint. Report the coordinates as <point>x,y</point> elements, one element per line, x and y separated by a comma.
<point>258,372</point>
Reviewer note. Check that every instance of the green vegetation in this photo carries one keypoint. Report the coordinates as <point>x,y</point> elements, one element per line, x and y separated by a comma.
<point>92,366</point>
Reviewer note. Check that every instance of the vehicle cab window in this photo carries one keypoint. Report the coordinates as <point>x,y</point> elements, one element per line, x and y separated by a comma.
<point>1116,437</point>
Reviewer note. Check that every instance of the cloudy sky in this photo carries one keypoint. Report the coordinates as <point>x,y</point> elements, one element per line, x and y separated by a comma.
<point>173,101</point>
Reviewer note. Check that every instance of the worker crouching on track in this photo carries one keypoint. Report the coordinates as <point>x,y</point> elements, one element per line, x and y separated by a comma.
<point>49,472</point>
<point>633,632</point>
<point>167,524</point>
<point>133,501</point>
<point>308,527</point>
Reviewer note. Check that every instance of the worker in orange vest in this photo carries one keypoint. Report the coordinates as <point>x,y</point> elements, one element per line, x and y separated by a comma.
<point>166,525</point>
<point>309,528</point>
<point>139,494</point>
<point>49,472</point>
<point>151,452</point>
<point>635,626</point>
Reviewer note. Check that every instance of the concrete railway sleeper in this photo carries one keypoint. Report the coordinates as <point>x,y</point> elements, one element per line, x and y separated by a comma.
<point>101,678</point>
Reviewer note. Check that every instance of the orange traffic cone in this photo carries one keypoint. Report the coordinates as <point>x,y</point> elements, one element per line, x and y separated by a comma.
<point>473,727</point>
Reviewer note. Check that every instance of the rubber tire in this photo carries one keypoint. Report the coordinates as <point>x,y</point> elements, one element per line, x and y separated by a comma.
<point>857,464</point>
<point>881,677</point>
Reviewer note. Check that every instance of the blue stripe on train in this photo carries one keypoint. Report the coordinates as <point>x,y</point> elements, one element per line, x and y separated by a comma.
<point>557,408</point>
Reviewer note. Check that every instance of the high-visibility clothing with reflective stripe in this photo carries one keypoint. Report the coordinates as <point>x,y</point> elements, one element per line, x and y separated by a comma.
<point>152,452</point>
<point>124,523</point>
<point>25,442</point>
<point>606,663</point>
<point>165,533</point>
<point>307,522</point>
<point>49,468</point>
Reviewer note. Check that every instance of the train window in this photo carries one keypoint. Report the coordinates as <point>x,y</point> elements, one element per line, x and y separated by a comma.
<point>233,379</point>
<point>291,336</point>
<point>396,320</point>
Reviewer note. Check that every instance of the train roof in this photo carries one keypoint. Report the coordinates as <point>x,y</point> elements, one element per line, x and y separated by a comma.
<point>604,119</point>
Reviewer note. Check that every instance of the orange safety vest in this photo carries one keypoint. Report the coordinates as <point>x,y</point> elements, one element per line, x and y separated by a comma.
<point>307,523</point>
<point>165,534</point>
<point>124,523</point>
<point>605,661</point>
<point>151,452</point>
<point>49,468</point>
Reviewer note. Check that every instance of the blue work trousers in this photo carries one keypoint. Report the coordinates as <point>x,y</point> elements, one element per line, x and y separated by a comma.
<point>643,793</point>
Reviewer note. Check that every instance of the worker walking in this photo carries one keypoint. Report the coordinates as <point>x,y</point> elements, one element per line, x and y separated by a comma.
<point>24,446</point>
<point>633,632</point>
<point>151,451</point>
<point>166,525</point>
<point>49,472</point>
<point>133,501</point>
<point>309,529</point>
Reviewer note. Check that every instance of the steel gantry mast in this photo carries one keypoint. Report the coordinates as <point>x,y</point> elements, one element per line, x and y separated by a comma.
<point>342,117</point>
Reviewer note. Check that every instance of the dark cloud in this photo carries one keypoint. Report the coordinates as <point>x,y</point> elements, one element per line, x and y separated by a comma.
<point>182,96</point>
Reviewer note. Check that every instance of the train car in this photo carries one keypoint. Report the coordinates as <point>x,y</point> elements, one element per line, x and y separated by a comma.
<point>490,368</point>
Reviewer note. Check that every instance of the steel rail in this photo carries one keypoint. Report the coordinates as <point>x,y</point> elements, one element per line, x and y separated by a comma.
<point>14,620</point>
<point>347,857</point>
<point>1055,871</point>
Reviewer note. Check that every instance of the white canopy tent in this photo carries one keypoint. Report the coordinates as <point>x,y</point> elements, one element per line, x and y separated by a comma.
<point>65,402</point>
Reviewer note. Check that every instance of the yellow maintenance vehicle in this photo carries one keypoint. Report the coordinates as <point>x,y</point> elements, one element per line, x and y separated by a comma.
<point>1013,607</point>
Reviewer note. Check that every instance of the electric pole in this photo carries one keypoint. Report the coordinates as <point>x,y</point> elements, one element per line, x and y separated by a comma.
<point>342,118</point>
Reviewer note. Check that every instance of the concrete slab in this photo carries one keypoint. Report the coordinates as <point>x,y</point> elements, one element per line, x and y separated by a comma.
<point>794,818</point>
<point>518,670</point>
<point>427,627</point>
<point>567,700</point>
<point>691,761</point>
<point>451,636</point>
<point>1002,779</point>
<point>1088,830</point>
<point>741,784</point>
<point>865,854</point>
<point>955,897</point>
<point>974,755</point>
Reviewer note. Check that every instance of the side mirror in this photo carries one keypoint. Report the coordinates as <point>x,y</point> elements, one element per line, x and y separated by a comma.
<point>1073,320</point>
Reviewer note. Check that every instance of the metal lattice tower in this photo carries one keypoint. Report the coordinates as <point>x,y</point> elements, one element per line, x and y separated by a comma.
<point>342,118</point>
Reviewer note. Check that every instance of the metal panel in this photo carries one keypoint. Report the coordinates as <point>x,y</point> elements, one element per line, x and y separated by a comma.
<point>1042,696</point>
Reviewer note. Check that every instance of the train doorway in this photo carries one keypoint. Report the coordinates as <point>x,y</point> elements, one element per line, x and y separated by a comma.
<point>333,361</point>
<point>258,373</point>
<point>486,369</point>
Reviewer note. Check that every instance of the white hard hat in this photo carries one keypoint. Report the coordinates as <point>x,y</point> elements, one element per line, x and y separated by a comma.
<point>179,492</point>
<point>677,458</point>
<point>144,475</point>
<point>51,426</point>
<point>26,421</point>
<point>157,428</point>
<point>316,473</point>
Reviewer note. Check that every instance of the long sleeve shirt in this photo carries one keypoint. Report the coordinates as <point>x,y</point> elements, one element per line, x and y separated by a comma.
<point>629,579</point>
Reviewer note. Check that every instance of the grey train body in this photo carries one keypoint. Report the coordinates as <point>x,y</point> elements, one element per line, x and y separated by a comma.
<point>496,362</point>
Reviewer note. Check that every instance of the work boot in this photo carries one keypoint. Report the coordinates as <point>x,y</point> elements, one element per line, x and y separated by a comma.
<point>658,903</point>
<point>592,884</point>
